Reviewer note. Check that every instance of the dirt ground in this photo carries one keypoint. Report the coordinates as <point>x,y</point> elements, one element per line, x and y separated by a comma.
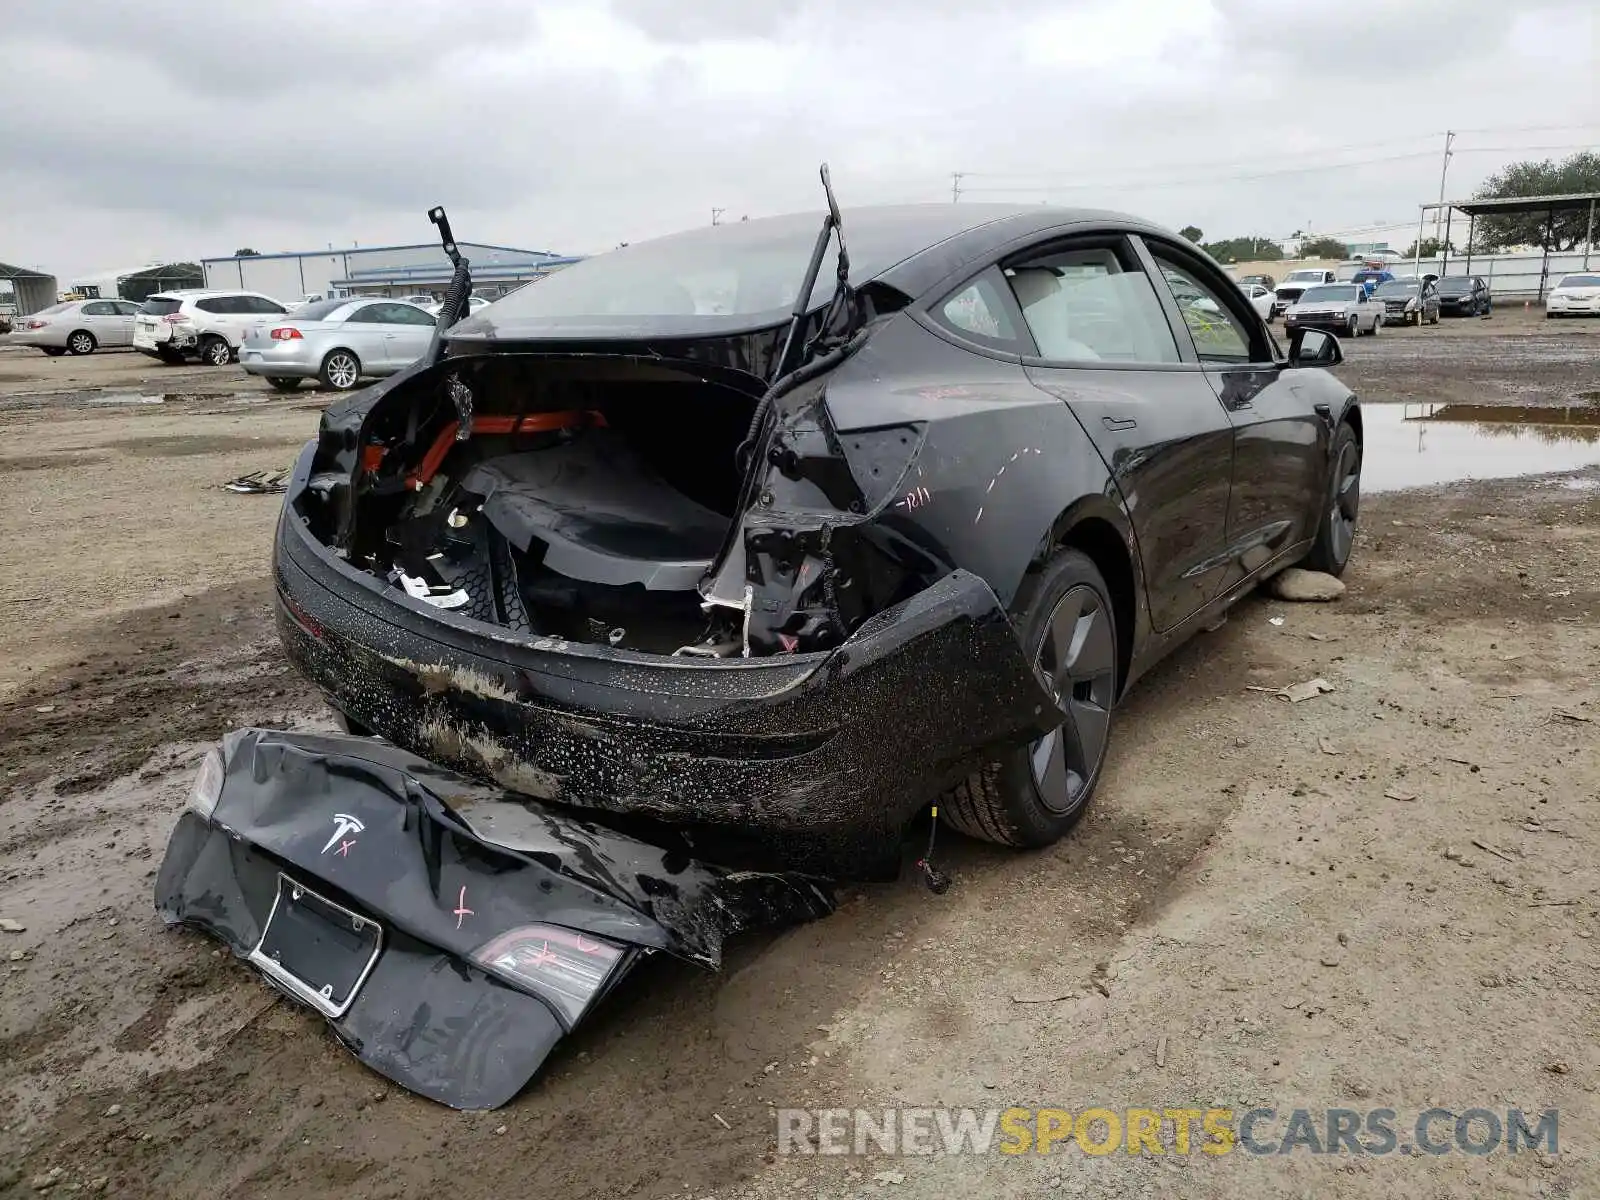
<point>1382,897</point>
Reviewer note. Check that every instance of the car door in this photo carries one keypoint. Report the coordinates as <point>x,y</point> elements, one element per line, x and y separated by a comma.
<point>100,319</point>
<point>363,333</point>
<point>126,311</point>
<point>407,334</point>
<point>1280,440</point>
<point>260,315</point>
<point>1105,346</point>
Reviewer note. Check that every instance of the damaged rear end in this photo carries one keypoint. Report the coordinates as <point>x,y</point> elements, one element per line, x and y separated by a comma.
<point>448,933</point>
<point>636,566</point>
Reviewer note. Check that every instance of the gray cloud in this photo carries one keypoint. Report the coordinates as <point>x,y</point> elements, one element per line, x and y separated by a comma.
<point>186,128</point>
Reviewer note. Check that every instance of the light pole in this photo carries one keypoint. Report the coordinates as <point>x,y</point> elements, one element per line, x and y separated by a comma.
<point>1444,167</point>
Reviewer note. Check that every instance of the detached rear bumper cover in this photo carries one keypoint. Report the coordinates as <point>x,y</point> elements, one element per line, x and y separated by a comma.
<point>809,762</point>
<point>366,828</point>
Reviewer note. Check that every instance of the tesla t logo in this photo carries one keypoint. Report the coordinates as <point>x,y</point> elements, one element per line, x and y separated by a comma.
<point>343,826</point>
<point>461,912</point>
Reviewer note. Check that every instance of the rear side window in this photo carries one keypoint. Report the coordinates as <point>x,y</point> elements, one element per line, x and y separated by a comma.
<point>160,306</point>
<point>977,311</point>
<point>260,304</point>
<point>99,308</point>
<point>1093,304</point>
<point>215,304</point>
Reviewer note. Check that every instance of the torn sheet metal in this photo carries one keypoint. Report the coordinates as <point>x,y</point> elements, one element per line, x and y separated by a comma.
<point>450,933</point>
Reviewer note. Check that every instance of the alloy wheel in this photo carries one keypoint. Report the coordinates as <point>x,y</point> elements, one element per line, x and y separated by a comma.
<point>218,354</point>
<point>342,371</point>
<point>82,343</point>
<point>1346,501</point>
<point>1079,659</point>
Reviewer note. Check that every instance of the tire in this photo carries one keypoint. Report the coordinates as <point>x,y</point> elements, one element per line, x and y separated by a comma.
<point>80,342</point>
<point>341,370</point>
<point>284,383</point>
<point>1377,324</point>
<point>54,351</point>
<point>1008,800</point>
<point>215,351</point>
<point>1354,325</point>
<point>1336,526</point>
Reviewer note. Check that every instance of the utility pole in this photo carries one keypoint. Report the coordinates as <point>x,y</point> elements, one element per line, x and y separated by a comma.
<point>955,185</point>
<point>1449,140</point>
<point>716,215</point>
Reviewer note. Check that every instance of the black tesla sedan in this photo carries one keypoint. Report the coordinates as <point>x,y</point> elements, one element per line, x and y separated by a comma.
<point>695,533</point>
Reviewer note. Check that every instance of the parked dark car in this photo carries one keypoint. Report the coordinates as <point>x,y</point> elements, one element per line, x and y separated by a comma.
<point>1464,296</point>
<point>1408,301</point>
<point>637,544</point>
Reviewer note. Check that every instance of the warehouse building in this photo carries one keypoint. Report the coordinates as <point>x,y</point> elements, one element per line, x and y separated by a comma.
<point>379,271</point>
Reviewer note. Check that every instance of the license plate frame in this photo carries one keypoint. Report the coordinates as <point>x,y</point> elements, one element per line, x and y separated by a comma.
<point>326,931</point>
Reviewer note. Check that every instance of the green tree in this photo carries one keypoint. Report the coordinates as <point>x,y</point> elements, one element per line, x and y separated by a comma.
<point>1579,173</point>
<point>1429,248</point>
<point>1324,247</point>
<point>1192,232</point>
<point>1244,249</point>
<point>246,253</point>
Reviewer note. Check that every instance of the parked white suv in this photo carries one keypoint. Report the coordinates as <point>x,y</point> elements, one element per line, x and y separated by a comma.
<point>206,324</point>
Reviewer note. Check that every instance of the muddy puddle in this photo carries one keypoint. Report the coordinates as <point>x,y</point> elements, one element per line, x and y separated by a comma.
<point>1418,445</point>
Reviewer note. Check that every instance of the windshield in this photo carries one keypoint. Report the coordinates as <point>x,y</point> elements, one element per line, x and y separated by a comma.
<point>1304,277</point>
<point>1576,281</point>
<point>1456,285</point>
<point>1329,292</point>
<point>1397,287</point>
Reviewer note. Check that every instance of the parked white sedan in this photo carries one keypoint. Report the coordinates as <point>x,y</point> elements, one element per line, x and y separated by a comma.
<point>1575,295</point>
<point>338,342</point>
<point>77,326</point>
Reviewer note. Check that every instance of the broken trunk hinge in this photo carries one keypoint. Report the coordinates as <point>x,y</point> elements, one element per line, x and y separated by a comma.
<point>461,397</point>
<point>938,882</point>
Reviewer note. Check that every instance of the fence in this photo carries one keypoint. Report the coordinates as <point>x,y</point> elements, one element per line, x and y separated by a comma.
<point>1510,276</point>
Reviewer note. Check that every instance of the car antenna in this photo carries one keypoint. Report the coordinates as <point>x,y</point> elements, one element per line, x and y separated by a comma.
<point>452,310</point>
<point>843,294</point>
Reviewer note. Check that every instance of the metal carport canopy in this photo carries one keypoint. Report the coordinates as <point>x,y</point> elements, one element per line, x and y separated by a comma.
<point>34,289</point>
<point>1511,206</point>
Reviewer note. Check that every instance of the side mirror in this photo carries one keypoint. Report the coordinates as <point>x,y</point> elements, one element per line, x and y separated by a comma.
<point>1314,348</point>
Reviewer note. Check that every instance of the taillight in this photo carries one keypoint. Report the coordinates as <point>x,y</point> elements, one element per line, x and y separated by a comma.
<point>564,967</point>
<point>287,333</point>
<point>34,324</point>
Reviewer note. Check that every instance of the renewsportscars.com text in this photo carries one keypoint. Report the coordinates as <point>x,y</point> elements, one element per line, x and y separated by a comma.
<point>1167,1131</point>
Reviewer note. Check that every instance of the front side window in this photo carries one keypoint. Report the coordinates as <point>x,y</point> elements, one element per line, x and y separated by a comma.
<point>1092,304</point>
<point>1219,334</point>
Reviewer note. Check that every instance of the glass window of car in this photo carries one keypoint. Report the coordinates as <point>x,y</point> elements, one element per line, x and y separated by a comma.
<point>404,314</point>
<point>1219,333</point>
<point>1092,304</point>
<point>1579,281</point>
<point>215,304</point>
<point>260,304</point>
<point>160,306</point>
<point>977,311</point>
<point>319,310</point>
<point>126,308</point>
<point>1333,293</point>
<point>1397,287</point>
<point>98,308</point>
<point>367,314</point>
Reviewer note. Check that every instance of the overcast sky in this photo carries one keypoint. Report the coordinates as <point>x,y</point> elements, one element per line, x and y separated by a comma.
<point>177,129</point>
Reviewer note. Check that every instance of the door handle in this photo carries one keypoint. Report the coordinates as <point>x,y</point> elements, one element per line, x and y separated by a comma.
<point>1117,425</point>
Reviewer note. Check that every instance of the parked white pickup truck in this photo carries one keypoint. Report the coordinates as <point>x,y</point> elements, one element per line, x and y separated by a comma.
<point>1294,285</point>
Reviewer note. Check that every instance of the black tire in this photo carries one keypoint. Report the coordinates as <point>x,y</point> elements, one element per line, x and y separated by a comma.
<point>341,370</point>
<point>54,351</point>
<point>1354,325</point>
<point>1377,324</point>
<point>215,351</point>
<point>1032,795</point>
<point>284,383</point>
<point>80,342</point>
<point>1336,526</point>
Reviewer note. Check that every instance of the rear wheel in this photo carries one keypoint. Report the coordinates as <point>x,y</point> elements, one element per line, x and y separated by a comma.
<point>216,352</point>
<point>341,370</point>
<point>1033,795</point>
<point>1336,530</point>
<point>81,341</point>
<point>284,383</point>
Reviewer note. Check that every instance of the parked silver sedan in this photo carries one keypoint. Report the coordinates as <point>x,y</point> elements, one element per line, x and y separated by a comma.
<point>338,342</point>
<point>77,327</point>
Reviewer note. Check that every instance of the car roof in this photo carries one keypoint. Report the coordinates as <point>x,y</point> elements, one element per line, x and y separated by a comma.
<point>196,293</point>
